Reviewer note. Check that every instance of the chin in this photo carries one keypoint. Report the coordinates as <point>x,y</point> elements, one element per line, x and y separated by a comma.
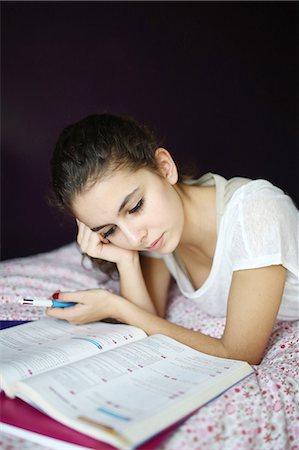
<point>169,247</point>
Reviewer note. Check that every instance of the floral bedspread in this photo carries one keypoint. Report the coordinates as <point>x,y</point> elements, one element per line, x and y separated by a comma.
<point>261,412</point>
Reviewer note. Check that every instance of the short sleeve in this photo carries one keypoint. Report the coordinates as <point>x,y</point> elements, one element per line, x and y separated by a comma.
<point>265,229</point>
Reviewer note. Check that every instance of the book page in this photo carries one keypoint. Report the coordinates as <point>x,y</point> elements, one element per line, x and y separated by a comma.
<point>35,347</point>
<point>131,385</point>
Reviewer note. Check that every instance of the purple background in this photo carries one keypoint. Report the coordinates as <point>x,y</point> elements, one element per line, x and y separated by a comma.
<point>215,81</point>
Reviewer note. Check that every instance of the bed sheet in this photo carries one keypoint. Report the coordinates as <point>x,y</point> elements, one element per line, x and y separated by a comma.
<point>261,412</point>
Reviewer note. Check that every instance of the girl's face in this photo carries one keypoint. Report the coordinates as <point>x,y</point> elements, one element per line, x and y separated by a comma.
<point>139,210</point>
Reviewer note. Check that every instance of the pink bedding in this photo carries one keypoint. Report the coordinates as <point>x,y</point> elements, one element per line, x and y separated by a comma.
<point>260,412</point>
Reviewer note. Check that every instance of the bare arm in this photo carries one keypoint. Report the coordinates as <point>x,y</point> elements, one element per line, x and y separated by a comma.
<point>145,282</point>
<point>254,300</point>
<point>157,279</point>
<point>132,284</point>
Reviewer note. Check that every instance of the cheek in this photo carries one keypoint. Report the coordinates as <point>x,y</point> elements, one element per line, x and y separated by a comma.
<point>168,208</point>
<point>120,241</point>
<point>158,207</point>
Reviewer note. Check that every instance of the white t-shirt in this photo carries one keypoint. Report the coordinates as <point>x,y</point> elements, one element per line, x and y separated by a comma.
<point>257,226</point>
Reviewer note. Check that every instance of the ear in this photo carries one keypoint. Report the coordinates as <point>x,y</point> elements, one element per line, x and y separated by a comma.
<point>166,165</point>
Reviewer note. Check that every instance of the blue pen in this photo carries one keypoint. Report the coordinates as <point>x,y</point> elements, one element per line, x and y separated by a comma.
<point>43,301</point>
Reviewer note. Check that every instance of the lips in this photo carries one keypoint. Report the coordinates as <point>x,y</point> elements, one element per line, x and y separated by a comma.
<point>156,244</point>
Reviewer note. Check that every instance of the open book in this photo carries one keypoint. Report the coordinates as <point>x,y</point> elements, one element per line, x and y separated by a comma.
<point>110,381</point>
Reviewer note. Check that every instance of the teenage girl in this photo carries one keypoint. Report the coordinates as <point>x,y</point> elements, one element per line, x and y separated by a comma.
<point>231,246</point>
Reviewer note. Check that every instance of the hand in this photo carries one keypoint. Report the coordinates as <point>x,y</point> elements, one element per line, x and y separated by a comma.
<point>92,244</point>
<point>92,305</point>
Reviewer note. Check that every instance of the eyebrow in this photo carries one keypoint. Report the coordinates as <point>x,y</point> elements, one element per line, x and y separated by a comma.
<point>124,202</point>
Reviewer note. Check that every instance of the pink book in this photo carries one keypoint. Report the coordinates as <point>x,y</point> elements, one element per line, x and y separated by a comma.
<point>159,381</point>
<point>21,419</point>
<point>21,416</point>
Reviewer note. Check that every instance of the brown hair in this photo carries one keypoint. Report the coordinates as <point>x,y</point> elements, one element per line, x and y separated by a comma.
<point>91,149</point>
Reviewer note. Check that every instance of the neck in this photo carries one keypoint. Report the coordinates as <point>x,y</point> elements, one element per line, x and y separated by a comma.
<point>199,204</point>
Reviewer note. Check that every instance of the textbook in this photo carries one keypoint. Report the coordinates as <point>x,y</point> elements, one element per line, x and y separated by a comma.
<point>25,422</point>
<point>111,382</point>
<point>19,419</point>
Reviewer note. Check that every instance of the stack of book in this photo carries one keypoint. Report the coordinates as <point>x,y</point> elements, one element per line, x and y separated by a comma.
<point>104,383</point>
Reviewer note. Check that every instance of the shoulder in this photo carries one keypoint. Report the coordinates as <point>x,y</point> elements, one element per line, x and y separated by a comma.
<point>261,197</point>
<point>261,226</point>
<point>259,187</point>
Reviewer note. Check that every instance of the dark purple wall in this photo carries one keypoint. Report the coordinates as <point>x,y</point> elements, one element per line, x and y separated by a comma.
<point>216,81</point>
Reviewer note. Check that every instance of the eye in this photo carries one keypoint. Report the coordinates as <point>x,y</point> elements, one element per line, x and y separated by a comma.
<point>137,207</point>
<point>109,232</point>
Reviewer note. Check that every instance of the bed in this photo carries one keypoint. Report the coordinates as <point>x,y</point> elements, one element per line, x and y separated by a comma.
<point>261,412</point>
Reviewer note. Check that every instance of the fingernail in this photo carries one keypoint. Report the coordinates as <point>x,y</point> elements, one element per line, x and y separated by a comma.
<point>55,296</point>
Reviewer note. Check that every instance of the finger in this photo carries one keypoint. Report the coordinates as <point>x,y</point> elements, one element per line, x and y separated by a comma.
<point>71,296</point>
<point>84,238</point>
<point>60,313</point>
<point>103,239</point>
<point>81,232</point>
<point>91,243</point>
<point>94,245</point>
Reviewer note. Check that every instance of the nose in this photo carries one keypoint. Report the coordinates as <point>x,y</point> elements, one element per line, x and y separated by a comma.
<point>135,236</point>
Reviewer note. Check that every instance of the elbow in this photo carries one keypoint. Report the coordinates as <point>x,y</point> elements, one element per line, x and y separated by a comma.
<point>254,361</point>
<point>253,358</point>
